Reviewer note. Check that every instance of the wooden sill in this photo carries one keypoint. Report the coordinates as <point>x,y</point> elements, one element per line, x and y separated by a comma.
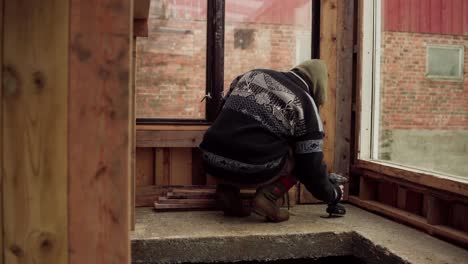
<point>426,179</point>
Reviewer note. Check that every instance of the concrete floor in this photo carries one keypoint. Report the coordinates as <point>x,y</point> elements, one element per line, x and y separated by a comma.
<point>199,237</point>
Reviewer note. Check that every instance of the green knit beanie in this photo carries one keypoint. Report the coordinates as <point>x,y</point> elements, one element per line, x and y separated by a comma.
<point>316,71</point>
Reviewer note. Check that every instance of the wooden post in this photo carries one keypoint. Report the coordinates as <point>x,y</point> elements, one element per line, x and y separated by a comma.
<point>328,45</point>
<point>132,121</point>
<point>35,103</point>
<point>1,133</point>
<point>98,131</point>
<point>344,88</point>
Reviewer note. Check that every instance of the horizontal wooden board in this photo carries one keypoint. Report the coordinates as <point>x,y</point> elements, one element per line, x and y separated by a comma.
<point>172,127</point>
<point>168,138</point>
<point>413,176</point>
<point>208,205</point>
<point>165,200</point>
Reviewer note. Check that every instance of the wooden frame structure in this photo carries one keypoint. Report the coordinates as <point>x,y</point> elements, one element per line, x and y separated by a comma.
<point>430,202</point>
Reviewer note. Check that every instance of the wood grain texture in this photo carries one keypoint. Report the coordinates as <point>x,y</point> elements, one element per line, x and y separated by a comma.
<point>181,139</point>
<point>35,72</point>
<point>145,167</point>
<point>417,177</point>
<point>132,122</point>
<point>98,131</point>
<point>344,88</point>
<point>181,166</point>
<point>420,222</point>
<point>328,53</point>
<point>437,211</point>
<point>1,134</point>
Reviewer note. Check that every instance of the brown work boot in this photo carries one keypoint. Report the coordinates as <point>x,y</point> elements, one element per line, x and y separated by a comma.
<point>265,203</point>
<point>231,202</point>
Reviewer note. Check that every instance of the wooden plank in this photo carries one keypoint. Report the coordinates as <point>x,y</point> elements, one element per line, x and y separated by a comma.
<point>34,140</point>
<point>344,90</point>
<point>367,189</point>
<point>207,205</point>
<point>181,139</point>
<point>144,167</point>
<point>1,134</point>
<point>413,220</point>
<point>198,173</point>
<point>172,127</point>
<point>459,216</point>
<point>387,193</point>
<point>414,202</point>
<point>147,195</point>
<point>401,198</point>
<point>141,9</point>
<point>98,130</point>
<point>437,211</point>
<point>131,124</point>
<point>426,179</point>
<point>161,174</point>
<point>328,53</point>
<point>140,28</point>
<point>181,166</point>
<point>165,200</point>
<point>414,187</point>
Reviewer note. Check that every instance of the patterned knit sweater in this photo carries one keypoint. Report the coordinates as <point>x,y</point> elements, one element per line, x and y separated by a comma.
<point>265,114</point>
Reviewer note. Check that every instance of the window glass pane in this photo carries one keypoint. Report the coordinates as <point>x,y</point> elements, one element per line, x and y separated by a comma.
<point>170,77</point>
<point>423,121</point>
<point>269,34</point>
<point>445,62</point>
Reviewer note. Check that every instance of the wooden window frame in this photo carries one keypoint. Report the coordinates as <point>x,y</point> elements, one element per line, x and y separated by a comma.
<point>366,135</point>
<point>371,179</point>
<point>215,63</point>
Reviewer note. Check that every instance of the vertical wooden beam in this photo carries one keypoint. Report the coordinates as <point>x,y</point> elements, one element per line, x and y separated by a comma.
<point>437,211</point>
<point>401,197</point>
<point>132,121</point>
<point>1,134</point>
<point>344,88</point>
<point>181,166</point>
<point>328,45</point>
<point>98,131</point>
<point>34,125</point>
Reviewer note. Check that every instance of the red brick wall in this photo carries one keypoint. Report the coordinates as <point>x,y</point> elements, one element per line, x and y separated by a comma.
<point>409,100</point>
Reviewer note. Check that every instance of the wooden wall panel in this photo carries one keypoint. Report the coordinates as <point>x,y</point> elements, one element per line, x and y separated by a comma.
<point>98,131</point>
<point>181,166</point>
<point>328,52</point>
<point>35,68</point>
<point>344,87</point>
<point>145,168</point>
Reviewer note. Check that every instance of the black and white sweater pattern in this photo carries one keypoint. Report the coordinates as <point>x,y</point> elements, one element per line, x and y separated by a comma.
<point>265,114</point>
